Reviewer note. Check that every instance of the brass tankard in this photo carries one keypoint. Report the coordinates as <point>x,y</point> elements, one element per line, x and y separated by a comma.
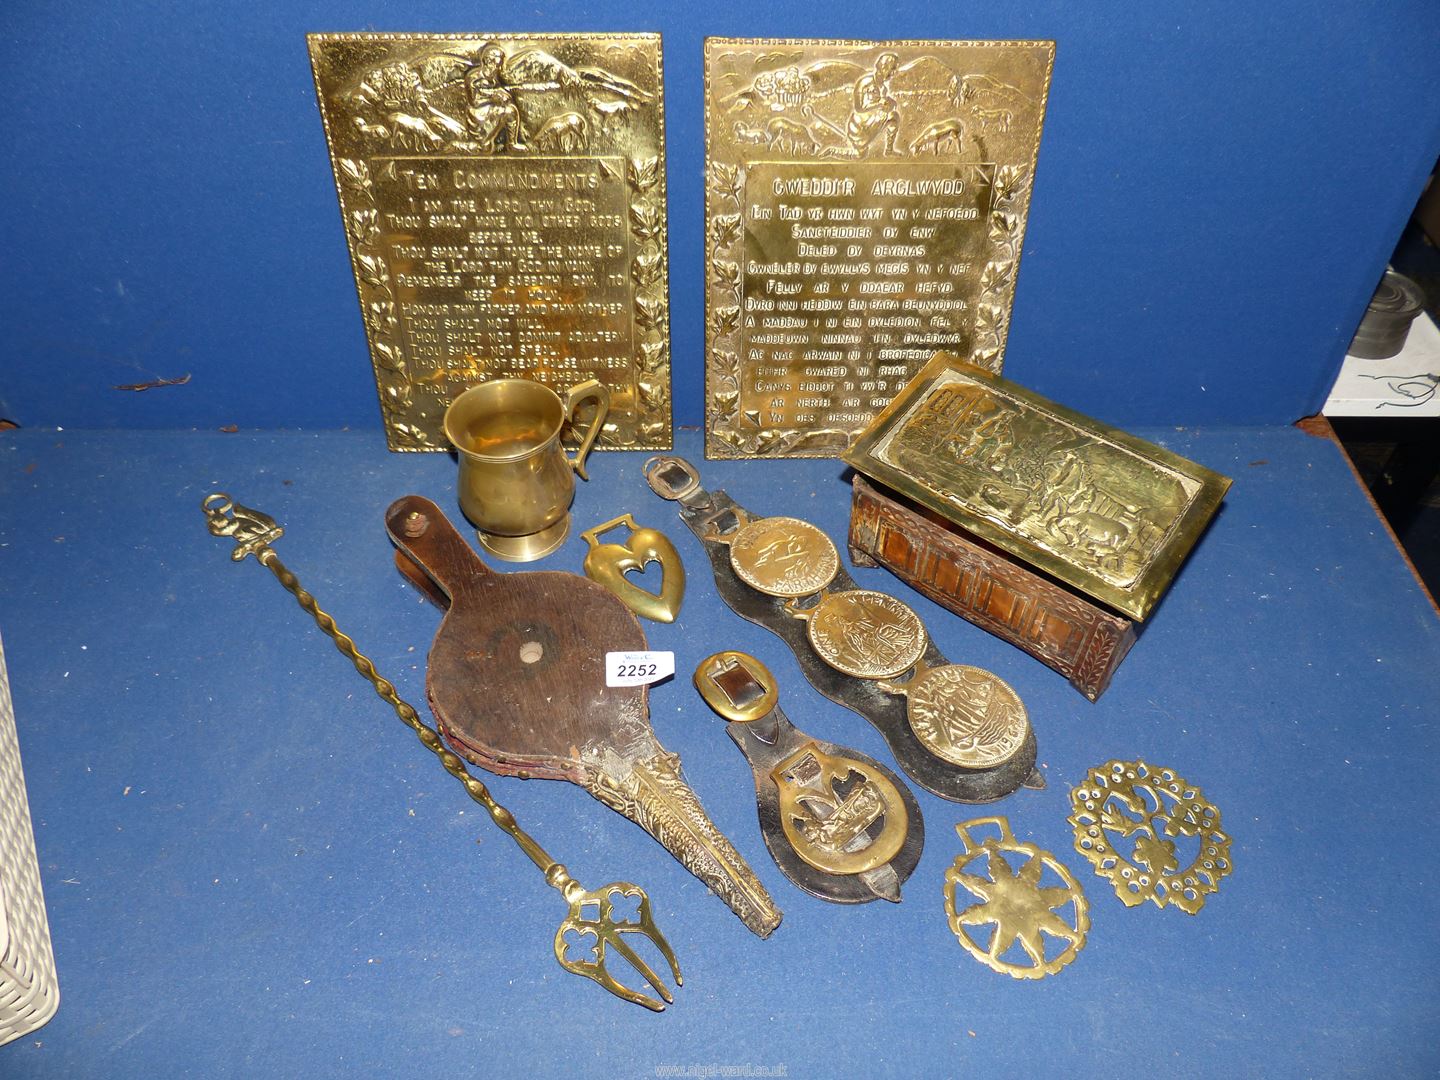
<point>516,482</point>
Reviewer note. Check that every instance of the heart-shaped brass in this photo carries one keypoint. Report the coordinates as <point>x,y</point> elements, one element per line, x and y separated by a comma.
<point>606,564</point>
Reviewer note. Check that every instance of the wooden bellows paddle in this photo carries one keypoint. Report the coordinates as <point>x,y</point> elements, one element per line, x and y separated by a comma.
<point>516,679</point>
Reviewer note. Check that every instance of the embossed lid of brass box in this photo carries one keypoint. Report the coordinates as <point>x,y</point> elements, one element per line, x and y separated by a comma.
<point>1110,514</point>
<point>504,200</point>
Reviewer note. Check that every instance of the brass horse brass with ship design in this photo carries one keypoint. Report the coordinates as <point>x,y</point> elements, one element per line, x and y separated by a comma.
<point>1107,513</point>
<point>865,205</point>
<point>504,201</point>
<point>840,825</point>
<point>964,714</point>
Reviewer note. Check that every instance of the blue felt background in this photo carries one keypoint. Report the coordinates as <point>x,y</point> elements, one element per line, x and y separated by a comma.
<point>253,869</point>
<point>1219,185</point>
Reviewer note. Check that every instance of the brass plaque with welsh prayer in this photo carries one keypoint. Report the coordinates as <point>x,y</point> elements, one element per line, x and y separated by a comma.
<point>504,200</point>
<point>865,207</point>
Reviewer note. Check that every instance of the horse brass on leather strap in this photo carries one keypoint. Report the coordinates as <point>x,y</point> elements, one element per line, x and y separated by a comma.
<point>780,556</point>
<point>863,633</point>
<point>838,823</point>
<point>828,830</point>
<point>504,200</point>
<point>966,715</point>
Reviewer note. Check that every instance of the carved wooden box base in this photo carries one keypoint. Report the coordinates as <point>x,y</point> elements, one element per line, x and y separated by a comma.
<point>1078,638</point>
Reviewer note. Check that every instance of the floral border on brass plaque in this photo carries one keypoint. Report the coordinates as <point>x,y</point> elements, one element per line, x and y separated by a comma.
<point>1101,510</point>
<point>865,205</point>
<point>504,201</point>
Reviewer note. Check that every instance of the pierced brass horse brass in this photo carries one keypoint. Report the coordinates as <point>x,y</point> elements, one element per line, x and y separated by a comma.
<point>865,206</point>
<point>840,825</point>
<point>1037,908</point>
<point>607,564</point>
<point>1151,834</point>
<point>504,200</point>
<point>829,830</point>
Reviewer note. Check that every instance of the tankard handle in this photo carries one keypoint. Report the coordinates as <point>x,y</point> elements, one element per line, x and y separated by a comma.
<point>580,392</point>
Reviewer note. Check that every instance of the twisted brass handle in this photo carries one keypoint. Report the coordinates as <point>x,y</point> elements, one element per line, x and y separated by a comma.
<point>253,533</point>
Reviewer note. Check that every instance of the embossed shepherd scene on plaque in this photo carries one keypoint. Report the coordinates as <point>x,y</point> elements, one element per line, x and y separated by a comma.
<point>865,207</point>
<point>504,201</point>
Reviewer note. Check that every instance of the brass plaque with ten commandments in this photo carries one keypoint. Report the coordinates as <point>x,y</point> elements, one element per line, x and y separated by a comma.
<point>504,200</point>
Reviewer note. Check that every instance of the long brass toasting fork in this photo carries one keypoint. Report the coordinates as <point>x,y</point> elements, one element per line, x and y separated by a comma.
<point>253,533</point>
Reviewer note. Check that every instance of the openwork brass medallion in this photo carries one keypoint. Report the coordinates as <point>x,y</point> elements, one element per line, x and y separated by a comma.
<point>1038,911</point>
<point>966,715</point>
<point>829,807</point>
<point>504,200</point>
<point>865,634</point>
<point>865,206</point>
<point>1110,514</point>
<point>783,556</point>
<point>1151,834</point>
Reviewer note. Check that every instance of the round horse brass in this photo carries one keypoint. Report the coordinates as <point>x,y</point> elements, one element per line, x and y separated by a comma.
<point>869,635</point>
<point>783,556</point>
<point>967,715</point>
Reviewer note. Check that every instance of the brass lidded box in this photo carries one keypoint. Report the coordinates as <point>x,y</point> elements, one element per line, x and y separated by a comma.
<point>1050,529</point>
